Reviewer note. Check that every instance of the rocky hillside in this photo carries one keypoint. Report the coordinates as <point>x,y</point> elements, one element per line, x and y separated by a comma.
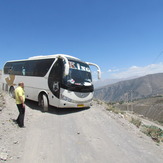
<point>143,87</point>
<point>152,108</point>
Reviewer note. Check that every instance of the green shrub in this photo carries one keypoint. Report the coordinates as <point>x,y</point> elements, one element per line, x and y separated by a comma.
<point>137,122</point>
<point>154,132</point>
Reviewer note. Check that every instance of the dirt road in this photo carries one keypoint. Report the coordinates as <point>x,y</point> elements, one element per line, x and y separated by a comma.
<point>73,136</point>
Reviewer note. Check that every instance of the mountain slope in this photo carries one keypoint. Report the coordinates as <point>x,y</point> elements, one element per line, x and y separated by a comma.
<point>147,86</point>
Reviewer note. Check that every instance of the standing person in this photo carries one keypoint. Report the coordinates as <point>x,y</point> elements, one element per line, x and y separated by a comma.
<point>20,99</point>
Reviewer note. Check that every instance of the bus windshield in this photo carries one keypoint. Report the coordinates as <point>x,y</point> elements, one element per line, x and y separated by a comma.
<point>79,77</point>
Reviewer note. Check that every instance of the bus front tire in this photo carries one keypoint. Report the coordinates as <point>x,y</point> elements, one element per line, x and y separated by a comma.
<point>44,103</point>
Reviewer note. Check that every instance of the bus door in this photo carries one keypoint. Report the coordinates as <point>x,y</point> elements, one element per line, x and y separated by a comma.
<point>54,81</point>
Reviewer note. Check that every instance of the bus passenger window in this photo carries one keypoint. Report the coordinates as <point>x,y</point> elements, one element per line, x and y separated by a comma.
<point>23,71</point>
<point>10,70</point>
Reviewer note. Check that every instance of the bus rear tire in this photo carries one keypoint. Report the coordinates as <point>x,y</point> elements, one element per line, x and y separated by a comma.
<point>12,92</point>
<point>44,103</point>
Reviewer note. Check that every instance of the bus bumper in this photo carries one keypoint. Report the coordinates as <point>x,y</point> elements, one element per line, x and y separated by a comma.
<point>65,104</point>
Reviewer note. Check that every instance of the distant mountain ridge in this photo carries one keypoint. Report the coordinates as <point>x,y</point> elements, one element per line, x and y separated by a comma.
<point>105,82</point>
<point>128,90</point>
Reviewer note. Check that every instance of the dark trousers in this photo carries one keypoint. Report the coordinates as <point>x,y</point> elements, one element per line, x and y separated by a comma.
<point>20,119</point>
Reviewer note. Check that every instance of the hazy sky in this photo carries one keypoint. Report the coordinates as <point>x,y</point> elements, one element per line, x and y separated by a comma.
<point>124,37</point>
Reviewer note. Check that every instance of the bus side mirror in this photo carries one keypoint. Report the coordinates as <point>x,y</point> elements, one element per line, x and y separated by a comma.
<point>99,74</point>
<point>66,64</point>
<point>98,69</point>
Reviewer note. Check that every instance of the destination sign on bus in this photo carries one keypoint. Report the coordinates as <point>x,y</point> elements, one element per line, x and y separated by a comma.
<point>78,66</point>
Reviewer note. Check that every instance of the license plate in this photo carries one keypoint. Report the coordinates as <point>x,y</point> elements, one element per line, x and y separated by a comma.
<point>80,105</point>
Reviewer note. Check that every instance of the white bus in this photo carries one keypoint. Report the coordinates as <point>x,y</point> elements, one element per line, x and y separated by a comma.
<point>58,80</point>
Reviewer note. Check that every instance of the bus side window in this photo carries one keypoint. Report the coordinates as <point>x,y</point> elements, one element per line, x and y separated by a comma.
<point>17,68</point>
<point>29,65</point>
<point>37,68</point>
<point>10,71</point>
<point>23,71</point>
<point>56,72</point>
<point>8,68</point>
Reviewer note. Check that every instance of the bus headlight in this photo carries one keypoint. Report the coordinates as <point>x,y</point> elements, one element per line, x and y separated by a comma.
<point>66,98</point>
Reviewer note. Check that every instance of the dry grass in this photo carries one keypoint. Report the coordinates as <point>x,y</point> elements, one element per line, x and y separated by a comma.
<point>136,121</point>
<point>154,132</point>
<point>114,109</point>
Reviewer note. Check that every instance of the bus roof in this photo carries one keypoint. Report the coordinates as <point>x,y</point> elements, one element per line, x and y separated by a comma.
<point>46,57</point>
<point>52,56</point>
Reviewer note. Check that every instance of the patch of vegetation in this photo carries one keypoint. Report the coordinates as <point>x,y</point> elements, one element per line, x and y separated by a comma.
<point>114,109</point>
<point>154,132</point>
<point>121,102</point>
<point>98,101</point>
<point>137,122</point>
<point>161,122</point>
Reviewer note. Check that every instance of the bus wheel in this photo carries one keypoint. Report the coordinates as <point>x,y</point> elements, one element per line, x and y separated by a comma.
<point>44,103</point>
<point>12,92</point>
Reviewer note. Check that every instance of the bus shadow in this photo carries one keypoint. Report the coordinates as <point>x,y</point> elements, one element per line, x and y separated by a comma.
<point>32,105</point>
<point>53,110</point>
<point>63,111</point>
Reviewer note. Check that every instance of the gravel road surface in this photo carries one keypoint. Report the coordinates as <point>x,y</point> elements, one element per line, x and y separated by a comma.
<point>91,135</point>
